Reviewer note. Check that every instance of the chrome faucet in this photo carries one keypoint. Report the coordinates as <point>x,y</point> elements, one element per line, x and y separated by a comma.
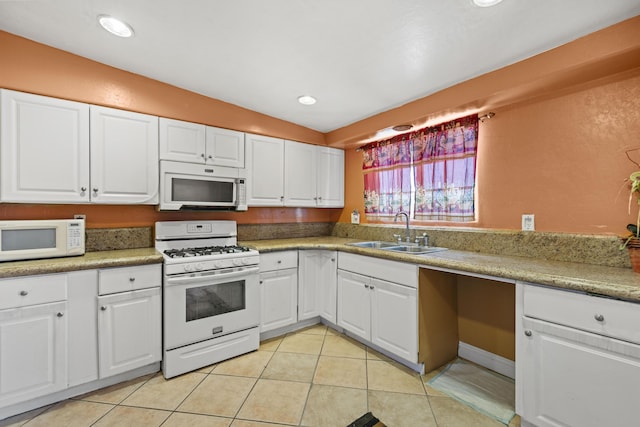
<point>406,216</point>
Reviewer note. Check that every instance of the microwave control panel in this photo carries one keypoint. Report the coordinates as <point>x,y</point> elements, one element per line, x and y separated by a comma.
<point>75,235</point>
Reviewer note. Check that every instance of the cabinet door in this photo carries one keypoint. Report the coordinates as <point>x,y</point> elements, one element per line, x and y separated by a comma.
<point>33,352</point>
<point>225,147</point>
<point>299,174</point>
<point>278,299</point>
<point>354,304</point>
<point>575,378</point>
<point>330,177</point>
<point>182,141</point>
<point>265,164</point>
<point>318,285</point>
<point>44,152</point>
<point>124,157</point>
<point>394,318</point>
<point>128,331</point>
<point>83,326</point>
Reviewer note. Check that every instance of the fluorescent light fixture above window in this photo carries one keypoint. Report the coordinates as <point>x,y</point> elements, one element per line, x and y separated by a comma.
<point>306,100</point>
<point>115,26</point>
<point>486,3</point>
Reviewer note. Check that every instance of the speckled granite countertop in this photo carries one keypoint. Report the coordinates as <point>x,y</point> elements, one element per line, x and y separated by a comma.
<point>90,260</point>
<point>611,281</point>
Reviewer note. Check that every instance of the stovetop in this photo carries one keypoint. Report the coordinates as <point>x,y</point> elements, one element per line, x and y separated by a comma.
<point>205,251</point>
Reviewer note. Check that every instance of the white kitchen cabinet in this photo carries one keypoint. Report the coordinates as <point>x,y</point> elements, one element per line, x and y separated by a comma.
<point>82,326</point>
<point>317,274</point>
<point>33,337</point>
<point>129,318</point>
<point>578,359</point>
<point>265,171</point>
<point>129,330</point>
<point>124,157</point>
<point>44,149</point>
<point>278,289</point>
<point>57,151</point>
<point>330,177</point>
<point>289,173</point>
<point>372,307</point>
<point>196,143</point>
<point>300,174</point>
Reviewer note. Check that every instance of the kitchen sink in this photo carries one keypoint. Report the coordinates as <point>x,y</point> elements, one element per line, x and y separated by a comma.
<point>374,244</point>
<point>397,247</point>
<point>416,250</point>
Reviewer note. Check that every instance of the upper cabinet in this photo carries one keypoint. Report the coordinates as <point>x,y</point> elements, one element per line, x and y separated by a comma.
<point>196,143</point>
<point>288,173</point>
<point>124,157</point>
<point>57,151</point>
<point>44,149</point>
<point>265,171</point>
<point>330,177</point>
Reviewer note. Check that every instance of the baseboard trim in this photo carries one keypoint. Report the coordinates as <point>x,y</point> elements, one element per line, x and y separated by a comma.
<point>489,360</point>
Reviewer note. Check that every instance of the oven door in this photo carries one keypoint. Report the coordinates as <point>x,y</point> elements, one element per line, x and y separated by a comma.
<point>203,305</point>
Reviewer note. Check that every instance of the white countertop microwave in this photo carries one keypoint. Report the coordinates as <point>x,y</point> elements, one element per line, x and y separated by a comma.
<point>34,239</point>
<point>193,186</point>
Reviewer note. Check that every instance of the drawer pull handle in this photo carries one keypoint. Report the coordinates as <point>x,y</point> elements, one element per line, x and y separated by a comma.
<point>528,333</point>
<point>103,308</point>
<point>132,279</point>
<point>24,293</point>
<point>366,286</point>
<point>371,287</point>
<point>279,262</point>
<point>60,314</point>
<point>599,317</point>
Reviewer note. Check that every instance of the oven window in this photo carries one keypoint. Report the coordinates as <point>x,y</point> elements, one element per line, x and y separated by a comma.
<point>213,300</point>
<point>195,190</point>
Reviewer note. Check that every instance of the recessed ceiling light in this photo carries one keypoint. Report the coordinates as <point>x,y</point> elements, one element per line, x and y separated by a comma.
<point>115,26</point>
<point>306,100</point>
<point>486,3</point>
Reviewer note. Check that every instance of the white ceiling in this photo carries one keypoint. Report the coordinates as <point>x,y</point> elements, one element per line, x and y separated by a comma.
<point>358,57</point>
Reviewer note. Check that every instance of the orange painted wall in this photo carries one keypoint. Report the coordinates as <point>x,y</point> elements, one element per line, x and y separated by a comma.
<point>555,150</point>
<point>555,147</point>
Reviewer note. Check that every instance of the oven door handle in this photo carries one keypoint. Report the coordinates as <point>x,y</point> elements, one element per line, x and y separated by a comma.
<point>210,275</point>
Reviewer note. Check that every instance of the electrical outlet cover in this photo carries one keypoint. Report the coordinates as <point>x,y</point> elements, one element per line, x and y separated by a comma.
<point>528,222</point>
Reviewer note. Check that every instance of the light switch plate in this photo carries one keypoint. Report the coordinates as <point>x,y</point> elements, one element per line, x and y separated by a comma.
<point>528,222</point>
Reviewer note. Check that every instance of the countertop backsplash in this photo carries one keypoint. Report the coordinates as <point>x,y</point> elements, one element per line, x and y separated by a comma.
<point>582,248</point>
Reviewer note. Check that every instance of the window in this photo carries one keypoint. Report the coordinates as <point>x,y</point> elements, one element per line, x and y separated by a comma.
<point>429,173</point>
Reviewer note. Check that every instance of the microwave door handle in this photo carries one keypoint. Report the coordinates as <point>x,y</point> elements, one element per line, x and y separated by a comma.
<point>208,276</point>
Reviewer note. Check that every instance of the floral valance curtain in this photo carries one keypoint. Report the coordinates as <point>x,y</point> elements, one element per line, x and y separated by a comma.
<point>429,173</point>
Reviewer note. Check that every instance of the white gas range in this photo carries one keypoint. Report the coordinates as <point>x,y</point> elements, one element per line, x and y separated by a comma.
<point>211,299</point>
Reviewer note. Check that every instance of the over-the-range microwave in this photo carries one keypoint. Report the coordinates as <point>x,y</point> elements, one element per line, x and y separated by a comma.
<point>198,186</point>
<point>34,239</point>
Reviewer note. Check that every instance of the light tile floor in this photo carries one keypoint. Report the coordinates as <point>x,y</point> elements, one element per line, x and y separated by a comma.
<point>314,377</point>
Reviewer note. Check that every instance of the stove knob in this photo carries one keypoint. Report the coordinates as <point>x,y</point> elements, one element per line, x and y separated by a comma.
<point>219,264</point>
<point>199,266</point>
<point>245,261</point>
<point>237,262</point>
<point>188,267</point>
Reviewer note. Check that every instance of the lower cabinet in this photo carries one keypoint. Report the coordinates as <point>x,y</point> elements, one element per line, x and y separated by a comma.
<point>129,322</point>
<point>278,289</point>
<point>33,351</point>
<point>578,359</point>
<point>33,337</point>
<point>317,274</point>
<point>376,310</point>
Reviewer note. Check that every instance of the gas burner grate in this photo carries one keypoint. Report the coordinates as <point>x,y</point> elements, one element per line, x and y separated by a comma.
<point>204,251</point>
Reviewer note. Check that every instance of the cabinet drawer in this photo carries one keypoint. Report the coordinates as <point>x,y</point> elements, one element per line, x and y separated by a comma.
<point>32,290</point>
<point>391,271</point>
<point>122,279</point>
<point>611,318</point>
<point>278,260</point>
